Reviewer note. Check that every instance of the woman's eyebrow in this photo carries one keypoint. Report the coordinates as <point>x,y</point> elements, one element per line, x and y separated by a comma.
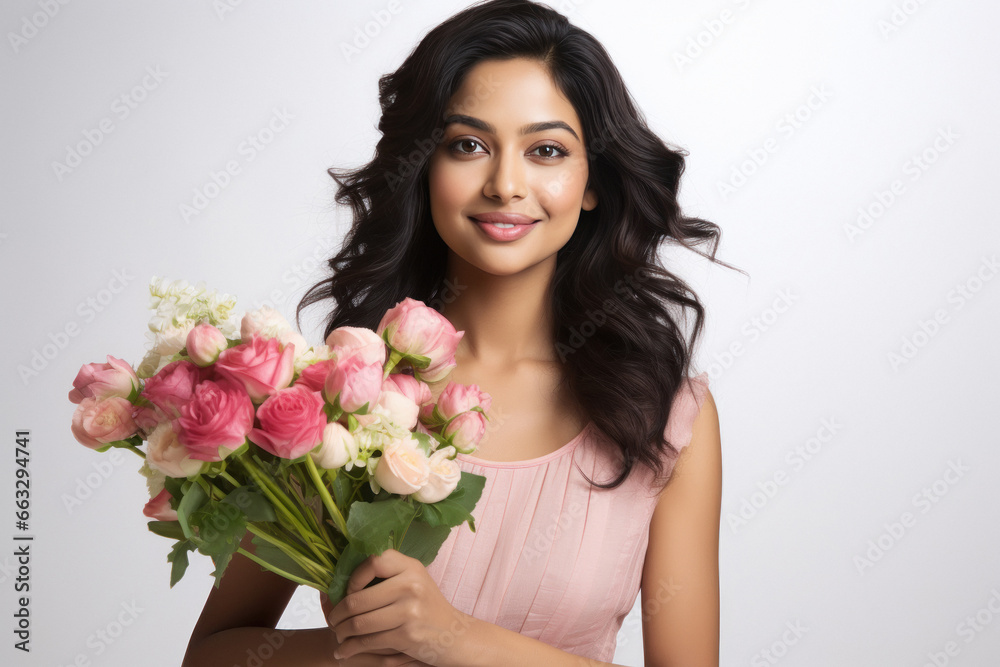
<point>530,128</point>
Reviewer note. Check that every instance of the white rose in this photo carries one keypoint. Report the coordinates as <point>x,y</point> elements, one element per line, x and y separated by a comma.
<point>166,454</point>
<point>444,477</point>
<point>338,447</point>
<point>397,408</point>
<point>292,337</point>
<point>403,467</point>
<point>149,365</point>
<point>265,321</point>
<point>269,323</point>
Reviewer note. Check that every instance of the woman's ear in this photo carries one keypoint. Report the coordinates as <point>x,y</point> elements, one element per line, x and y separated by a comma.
<point>589,199</point>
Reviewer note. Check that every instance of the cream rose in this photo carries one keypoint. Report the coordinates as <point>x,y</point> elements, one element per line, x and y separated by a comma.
<point>444,476</point>
<point>403,467</point>
<point>166,453</point>
<point>338,447</point>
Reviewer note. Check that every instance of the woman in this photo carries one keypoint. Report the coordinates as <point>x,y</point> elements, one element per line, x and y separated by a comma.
<point>506,113</point>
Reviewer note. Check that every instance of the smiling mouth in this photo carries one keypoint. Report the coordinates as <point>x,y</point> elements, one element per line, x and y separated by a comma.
<point>503,219</point>
<point>501,225</point>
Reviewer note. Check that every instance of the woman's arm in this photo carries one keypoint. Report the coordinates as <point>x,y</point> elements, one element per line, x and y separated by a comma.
<point>495,646</point>
<point>238,622</point>
<point>236,626</point>
<point>680,576</point>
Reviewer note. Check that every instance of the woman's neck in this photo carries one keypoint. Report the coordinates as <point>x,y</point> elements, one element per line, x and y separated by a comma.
<point>506,319</point>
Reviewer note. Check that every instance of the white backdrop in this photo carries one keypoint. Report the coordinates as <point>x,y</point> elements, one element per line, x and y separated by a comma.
<point>846,149</point>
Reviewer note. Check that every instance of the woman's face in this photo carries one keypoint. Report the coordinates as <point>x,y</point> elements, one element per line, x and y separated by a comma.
<point>490,160</point>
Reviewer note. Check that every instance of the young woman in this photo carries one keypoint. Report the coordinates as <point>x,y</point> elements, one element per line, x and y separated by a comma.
<point>517,189</point>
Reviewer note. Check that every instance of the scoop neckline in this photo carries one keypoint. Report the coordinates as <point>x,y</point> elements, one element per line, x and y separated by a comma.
<point>527,463</point>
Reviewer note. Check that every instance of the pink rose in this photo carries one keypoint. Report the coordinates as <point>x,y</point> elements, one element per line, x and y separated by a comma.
<point>403,467</point>
<point>114,378</point>
<point>465,431</point>
<point>159,507</point>
<point>445,474</point>
<point>98,422</point>
<point>218,416</point>
<point>417,330</point>
<point>349,341</point>
<point>147,419</point>
<point>174,386</point>
<point>204,343</point>
<point>291,422</point>
<point>313,376</point>
<point>409,386</point>
<point>457,398</point>
<point>354,383</point>
<point>261,365</point>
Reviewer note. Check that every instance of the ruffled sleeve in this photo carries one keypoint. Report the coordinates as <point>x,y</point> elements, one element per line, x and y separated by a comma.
<point>684,409</point>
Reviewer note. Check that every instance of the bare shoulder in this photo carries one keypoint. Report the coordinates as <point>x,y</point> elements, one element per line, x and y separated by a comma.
<point>706,433</point>
<point>680,577</point>
<point>702,457</point>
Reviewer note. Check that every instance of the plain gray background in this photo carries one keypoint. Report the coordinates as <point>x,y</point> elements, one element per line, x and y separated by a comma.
<point>848,151</point>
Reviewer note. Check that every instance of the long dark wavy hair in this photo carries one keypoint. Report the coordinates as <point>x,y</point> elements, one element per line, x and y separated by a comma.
<point>617,310</point>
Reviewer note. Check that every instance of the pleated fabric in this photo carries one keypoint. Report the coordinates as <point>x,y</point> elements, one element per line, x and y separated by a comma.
<point>553,557</point>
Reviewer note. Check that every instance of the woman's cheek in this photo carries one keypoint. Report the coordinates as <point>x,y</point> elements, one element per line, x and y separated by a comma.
<point>562,191</point>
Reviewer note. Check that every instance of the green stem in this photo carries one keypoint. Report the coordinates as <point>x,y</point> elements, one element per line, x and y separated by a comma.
<point>277,498</point>
<point>331,506</point>
<point>302,560</point>
<point>318,538</point>
<point>394,358</point>
<point>136,450</point>
<point>287,575</point>
<point>287,507</point>
<point>321,528</point>
<point>229,478</point>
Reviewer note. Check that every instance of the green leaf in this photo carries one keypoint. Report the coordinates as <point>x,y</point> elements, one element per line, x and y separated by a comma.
<point>419,362</point>
<point>457,507</point>
<point>221,526</point>
<point>371,523</point>
<point>278,558</point>
<point>349,560</point>
<point>178,556</point>
<point>194,498</point>
<point>174,487</point>
<point>171,529</point>
<point>254,504</point>
<point>343,487</point>
<point>424,442</point>
<point>423,541</point>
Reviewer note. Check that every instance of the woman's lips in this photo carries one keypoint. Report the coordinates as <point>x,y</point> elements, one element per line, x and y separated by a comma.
<point>519,230</point>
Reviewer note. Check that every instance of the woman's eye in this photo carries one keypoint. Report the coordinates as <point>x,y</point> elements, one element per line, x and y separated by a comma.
<point>553,151</point>
<point>557,151</point>
<point>464,142</point>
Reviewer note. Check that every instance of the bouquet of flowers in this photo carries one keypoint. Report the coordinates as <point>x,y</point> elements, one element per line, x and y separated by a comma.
<point>326,454</point>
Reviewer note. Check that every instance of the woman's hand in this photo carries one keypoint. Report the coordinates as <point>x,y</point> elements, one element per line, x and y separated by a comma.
<point>405,613</point>
<point>383,657</point>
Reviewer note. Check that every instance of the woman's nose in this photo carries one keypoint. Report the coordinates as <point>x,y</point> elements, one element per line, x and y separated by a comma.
<point>508,177</point>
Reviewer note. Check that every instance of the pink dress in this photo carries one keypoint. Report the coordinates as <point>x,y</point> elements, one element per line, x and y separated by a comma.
<point>554,558</point>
